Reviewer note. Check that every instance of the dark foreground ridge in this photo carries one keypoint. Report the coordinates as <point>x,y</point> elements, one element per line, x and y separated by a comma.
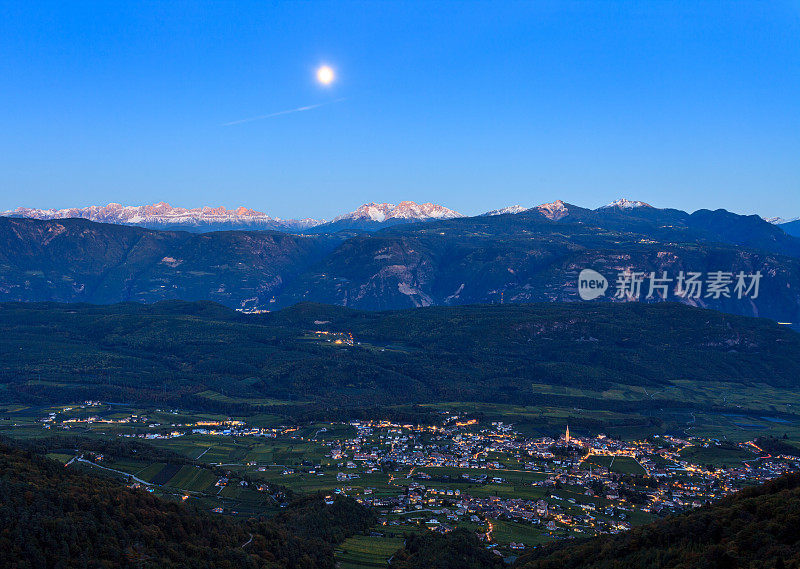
<point>757,528</point>
<point>460,549</point>
<point>52,517</point>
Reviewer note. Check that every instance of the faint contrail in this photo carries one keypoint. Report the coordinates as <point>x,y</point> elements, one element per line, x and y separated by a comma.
<point>286,112</point>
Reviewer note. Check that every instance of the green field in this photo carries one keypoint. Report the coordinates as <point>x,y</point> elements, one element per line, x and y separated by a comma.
<point>505,532</point>
<point>150,471</point>
<point>193,479</point>
<point>617,464</point>
<point>255,401</point>
<point>60,457</point>
<point>716,456</point>
<point>364,552</point>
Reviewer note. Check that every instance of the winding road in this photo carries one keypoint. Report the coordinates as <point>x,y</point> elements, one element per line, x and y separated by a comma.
<point>128,474</point>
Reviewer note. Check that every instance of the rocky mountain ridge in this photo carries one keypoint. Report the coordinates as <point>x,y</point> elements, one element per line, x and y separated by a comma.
<point>164,216</point>
<point>368,217</point>
<point>532,256</point>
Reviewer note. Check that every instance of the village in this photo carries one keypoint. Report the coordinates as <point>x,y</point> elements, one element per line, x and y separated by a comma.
<point>585,484</point>
<point>461,472</point>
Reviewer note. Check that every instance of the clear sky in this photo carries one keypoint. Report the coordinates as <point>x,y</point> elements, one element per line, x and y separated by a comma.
<point>472,105</point>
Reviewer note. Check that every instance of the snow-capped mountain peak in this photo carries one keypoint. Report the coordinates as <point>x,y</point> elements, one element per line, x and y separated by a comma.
<point>372,211</point>
<point>554,210</point>
<point>504,210</point>
<point>623,203</point>
<point>381,212</point>
<point>162,215</point>
<point>779,220</point>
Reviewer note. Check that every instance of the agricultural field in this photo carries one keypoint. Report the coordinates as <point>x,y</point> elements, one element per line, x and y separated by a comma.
<point>254,401</point>
<point>59,457</point>
<point>509,532</point>
<point>366,552</point>
<point>764,417</point>
<point>717,456</point>
<point>616,464</point>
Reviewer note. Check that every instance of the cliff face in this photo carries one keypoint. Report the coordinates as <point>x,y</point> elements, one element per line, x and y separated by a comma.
<point>74,260</point>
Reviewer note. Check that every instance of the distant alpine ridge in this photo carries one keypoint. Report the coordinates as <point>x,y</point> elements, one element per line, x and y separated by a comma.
<point>504,210</point>
<point>372,216</point>
<point>368,217</point>
<point>361,261</point>
<point>781,220</point>
<point>625,204</point>
<point>404,210</point>
<point>164,216</point>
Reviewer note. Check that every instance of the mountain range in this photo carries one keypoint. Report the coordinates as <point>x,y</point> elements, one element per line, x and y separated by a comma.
<point>791,227</point>
<point>364,262</point>
<point>164,216</point>
<point>368,217</point>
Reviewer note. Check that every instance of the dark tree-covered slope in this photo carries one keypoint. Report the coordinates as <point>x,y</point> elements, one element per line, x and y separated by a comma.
<point>51,517</point>
<point>457,550</point>
<point>756,528</point>
<point>173,351</point>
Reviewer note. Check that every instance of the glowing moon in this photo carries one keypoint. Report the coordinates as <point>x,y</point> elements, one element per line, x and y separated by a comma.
<point>325,75</point>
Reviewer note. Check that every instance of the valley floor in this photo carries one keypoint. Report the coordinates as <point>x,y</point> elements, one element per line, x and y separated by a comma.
<point>514,490</point>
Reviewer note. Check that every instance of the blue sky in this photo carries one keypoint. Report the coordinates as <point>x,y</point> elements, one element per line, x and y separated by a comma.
<point>472,105</point>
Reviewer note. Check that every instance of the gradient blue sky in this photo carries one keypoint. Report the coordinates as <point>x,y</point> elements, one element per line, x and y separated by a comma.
<point>473,105</point>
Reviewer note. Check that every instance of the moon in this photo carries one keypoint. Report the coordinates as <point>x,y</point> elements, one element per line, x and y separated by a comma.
<point>325,75</point>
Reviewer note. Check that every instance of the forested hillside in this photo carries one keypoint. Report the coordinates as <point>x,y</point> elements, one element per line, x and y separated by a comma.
<point>458,550</point>
<point>51,517</point>
<point>756,528</point>
<point>180,352</point>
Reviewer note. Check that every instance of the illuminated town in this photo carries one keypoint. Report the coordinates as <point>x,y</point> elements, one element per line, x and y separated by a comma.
<point>465,473</point>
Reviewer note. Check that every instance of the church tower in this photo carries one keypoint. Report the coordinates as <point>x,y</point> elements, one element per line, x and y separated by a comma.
<point>566,437</point>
